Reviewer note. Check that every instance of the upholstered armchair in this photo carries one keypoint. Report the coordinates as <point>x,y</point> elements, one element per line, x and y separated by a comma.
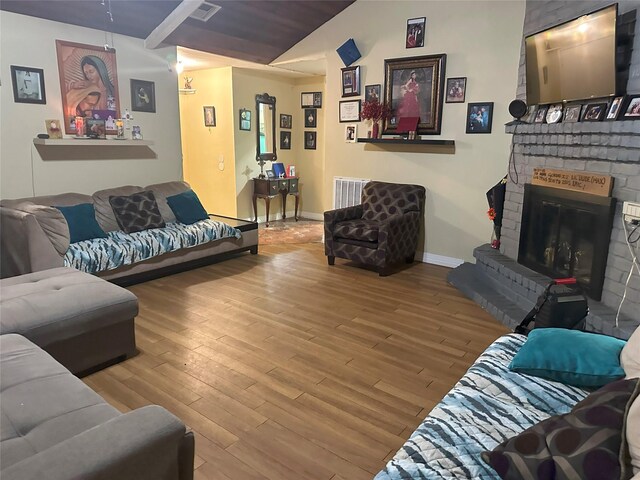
<point>383,230</point>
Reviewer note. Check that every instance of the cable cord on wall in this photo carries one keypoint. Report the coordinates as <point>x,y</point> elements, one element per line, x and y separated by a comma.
<point>634,262</point>
<point>33,177</point>
<point>512,159</point>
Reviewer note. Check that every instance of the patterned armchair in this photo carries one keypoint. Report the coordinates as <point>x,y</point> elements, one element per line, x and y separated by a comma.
<point>382,231</point>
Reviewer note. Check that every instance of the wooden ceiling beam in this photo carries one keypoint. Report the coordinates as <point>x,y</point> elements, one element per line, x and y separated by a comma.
<point>171,23</point>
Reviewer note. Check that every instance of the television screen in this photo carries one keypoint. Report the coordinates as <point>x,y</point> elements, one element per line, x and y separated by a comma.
<point>573,61</point>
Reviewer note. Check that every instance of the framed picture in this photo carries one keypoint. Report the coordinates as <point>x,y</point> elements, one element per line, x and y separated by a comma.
<point>349,111</point>
<point>245,119</point>
<point>351,133</point>
<point>614,108</point>
<point>285,140</point>
<point>372,93</point>
<point>632,110</point>
<point>278,169</point>
<point>285,121</point>
<point>594,112</point>
<point>54,128</point>
<point>572,113</point>
<point>310,118</point>
<point>415,32</point>
<point>351,81</point>
<point>209,116</point>
<point>291,170</point>
<point>541,114</point>
<point>531,114</point>
<point>456,89</point>
<point>554,114</point>
<point>96,128</point>
<point>143,96</point>
<point>28,85</point>
<point>479,117</point>
<point>136,132</point>
<point>89,83</point>
<point>414,87</point>
<point>270,174</point>
<point>309,140</point>
<point>311,99</point>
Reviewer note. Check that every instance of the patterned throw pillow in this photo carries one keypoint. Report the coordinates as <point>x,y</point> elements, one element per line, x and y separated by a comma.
<point>137,212</point>
<point>584,443</point>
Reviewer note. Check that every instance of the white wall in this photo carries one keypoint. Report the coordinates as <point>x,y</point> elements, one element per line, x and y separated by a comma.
<point>30,42</point>
<point>482,42</point>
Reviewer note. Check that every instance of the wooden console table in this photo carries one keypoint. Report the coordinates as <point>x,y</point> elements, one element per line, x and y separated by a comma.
<point>268,188</point>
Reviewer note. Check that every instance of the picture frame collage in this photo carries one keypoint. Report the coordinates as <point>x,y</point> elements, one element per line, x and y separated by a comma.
<point>310,102</point>
<point>622,107</point>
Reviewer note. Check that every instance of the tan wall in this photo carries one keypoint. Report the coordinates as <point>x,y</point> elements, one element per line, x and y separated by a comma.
<point>29,41</point>
<point>208,152</point>
<point>482,41</point>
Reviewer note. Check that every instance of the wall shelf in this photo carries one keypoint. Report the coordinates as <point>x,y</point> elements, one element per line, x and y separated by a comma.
<point>401,145</point>
<point>90,142</point>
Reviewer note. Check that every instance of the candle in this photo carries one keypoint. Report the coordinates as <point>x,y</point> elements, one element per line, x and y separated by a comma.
<point>79,126</point>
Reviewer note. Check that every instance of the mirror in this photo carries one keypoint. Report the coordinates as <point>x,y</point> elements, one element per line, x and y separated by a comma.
<point>266,130</point>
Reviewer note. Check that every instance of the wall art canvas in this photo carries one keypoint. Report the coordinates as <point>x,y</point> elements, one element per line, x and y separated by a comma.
<point>143,96</point>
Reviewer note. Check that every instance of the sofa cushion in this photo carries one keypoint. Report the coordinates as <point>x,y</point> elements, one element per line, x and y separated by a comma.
<point>42,402</point>
<point>104,212</point>
<point>137,212</point>
<point>630,356</point>
<point>164,190</point>
<point>361,229</point>
<point>569,356</point>
<point>381,200</point>
<point>52,222</point>
<point>81,221</point>
<point>584,443</point>
<point>187,208</point>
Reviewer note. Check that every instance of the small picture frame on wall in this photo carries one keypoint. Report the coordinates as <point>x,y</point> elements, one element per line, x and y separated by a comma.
<point>614,109</point>
<point>310,118</point>
<point>286,121</point>
<point>245,119</point>
<point>456,89</point>
<point>351,133</point>
<point>310,140</point>
<point>311,100</point>
<point>28,85</point>
<point>572,114</point>
<point>143,96</point>
<point>349,111</point>
<point>632,110</point>
<point>285,140</point>
<point>479,117</point>
<point>351,81</point>
<point>594,112</point>
<point>209,116</point>
<point>372,93</point>
<point>416,28</point>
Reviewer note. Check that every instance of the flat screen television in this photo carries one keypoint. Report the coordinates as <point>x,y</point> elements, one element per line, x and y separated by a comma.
<point>573,61</point>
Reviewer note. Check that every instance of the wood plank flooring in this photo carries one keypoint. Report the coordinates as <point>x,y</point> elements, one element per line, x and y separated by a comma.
<point>286,368</point>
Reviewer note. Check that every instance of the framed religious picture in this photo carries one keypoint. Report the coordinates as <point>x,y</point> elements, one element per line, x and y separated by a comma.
<point>286,121</point>
<point>28,85</point>
<point>349,111</point>
<point>309,140</point>
<point>89,83</point>
<point>310,118</point>
<point>209,116</point>
<point>351,81</point>
<point>479,117</point>
<point>245,119</point>
<point>416,28</point>
<point>285,140</point>
<point>594,112</point>
<point>632,108</point>
<point>372,93</point>
<point>414,87</point>
<point>143,96</point>
<point>456,89</point>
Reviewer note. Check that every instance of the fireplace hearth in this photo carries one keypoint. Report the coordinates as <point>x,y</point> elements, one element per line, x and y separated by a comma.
<point>566,234</point>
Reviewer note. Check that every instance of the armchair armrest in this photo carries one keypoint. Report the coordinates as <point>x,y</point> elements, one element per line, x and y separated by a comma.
<point>332,217</point>
<point>398,236</point>
<point>148,443</point>
<point>24,245</point>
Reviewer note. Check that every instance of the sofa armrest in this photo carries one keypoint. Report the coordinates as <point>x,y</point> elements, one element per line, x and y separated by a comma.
<point>332,217</point>
<point>398,236</point>
<point>24,246</point>
<point>147,443</point>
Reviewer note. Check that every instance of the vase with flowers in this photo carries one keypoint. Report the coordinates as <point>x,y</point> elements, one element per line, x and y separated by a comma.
<point>375,111</point>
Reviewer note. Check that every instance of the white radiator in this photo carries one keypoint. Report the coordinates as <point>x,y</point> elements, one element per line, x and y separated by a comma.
<point>347,191</point>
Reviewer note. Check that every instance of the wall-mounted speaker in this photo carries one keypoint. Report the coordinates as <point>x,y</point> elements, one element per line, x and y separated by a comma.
<point>518,109</point>
<point>348,52</point>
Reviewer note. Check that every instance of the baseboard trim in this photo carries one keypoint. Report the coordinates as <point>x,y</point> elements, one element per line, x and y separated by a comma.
<point>442,260</point>
<point>278,216</point>
<point>312,216</point>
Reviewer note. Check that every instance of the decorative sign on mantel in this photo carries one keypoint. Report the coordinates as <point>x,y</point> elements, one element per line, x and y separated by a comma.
<point>587,182</point>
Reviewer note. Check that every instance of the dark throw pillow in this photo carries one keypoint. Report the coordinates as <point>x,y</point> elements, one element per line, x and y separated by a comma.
<point>137,212</point>
<point>187,208</point>
<point>584,443</point>
<point>82,222</point>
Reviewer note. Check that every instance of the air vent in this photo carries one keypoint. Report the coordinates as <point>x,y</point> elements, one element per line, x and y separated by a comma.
<point>205,11</point>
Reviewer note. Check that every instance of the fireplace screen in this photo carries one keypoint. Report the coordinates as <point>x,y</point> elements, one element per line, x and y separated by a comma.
<point>566,234</point>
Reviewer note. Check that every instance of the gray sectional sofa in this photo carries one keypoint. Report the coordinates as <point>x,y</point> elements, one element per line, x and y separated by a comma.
<point>36,237</point>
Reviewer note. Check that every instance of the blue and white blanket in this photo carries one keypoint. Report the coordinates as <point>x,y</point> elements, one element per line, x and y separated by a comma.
<point>487,406</point>
<point>119,248</point>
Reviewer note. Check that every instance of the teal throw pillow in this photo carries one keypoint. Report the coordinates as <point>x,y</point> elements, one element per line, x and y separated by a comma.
<point>82,222</point>
<point>187,208</point>
<point>572,357</point>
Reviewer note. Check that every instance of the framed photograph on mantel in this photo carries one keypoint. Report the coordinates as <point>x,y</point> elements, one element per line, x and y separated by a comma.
<point>414,87</point>
<point>349,111</point>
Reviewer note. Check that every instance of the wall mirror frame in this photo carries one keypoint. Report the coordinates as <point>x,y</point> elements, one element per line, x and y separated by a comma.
<point>265,130</point>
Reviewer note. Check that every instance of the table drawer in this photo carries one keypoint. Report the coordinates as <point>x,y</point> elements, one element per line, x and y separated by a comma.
<point>293,186</point>
<point>273,187</point>
<point>283,184</point>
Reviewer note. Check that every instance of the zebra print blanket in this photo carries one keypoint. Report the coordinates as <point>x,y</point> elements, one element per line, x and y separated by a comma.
<point>119,248</point>
<point>487,406</point>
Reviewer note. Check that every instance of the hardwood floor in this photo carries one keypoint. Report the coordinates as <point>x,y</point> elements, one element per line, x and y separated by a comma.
<point>287,368</point>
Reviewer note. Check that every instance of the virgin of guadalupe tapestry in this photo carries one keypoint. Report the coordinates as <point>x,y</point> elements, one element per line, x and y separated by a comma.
<point>89,84</point>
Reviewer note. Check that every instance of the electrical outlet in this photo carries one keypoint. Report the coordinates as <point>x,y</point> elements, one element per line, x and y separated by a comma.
<point>631,211</point>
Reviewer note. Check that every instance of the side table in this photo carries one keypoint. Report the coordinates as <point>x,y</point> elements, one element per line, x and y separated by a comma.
<point>267,188</point>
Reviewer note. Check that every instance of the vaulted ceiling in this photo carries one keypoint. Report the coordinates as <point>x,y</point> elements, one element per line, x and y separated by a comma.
<point>253,30</point>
